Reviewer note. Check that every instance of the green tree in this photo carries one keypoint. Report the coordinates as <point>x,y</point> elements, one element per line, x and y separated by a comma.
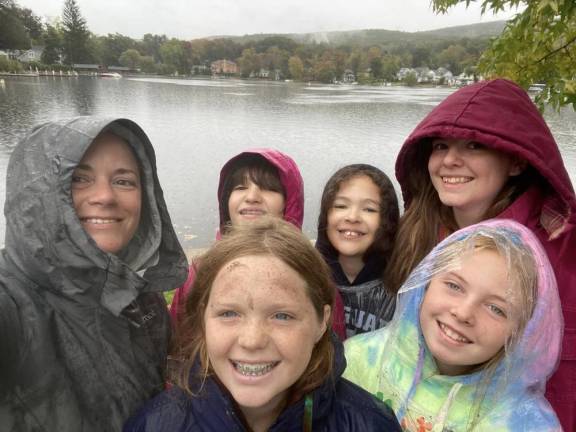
<point>52,45</point>
<point>113,46</point>
<point>75,34</point>
<point>130,58</point>
<point>296,68</point>
<point>13,33</point>
<point>355,61</point>
<point>173,54</point>
<point>421,55</point>
<point>376,67</point>
<point>340,58</point>
<point>537,45</point>
<point>390,67</point>
<point>151,45</point>
<point>324,69</point>
<point>147,64</point>
<point>411,80</point>
<point>249,62</point>
<point>32,23</point>
<point>452,58</point>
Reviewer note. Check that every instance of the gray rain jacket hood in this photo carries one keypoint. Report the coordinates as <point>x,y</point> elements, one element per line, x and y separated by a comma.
<point>83,333</point>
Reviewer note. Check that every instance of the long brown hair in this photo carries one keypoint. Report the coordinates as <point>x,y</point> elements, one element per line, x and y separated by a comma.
<point>269,236</point>
<point>425,215</point>
<point>389,213</point>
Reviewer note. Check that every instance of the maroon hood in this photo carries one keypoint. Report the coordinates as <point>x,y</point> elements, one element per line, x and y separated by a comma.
<point>289,177</point>
<point>500,115</point>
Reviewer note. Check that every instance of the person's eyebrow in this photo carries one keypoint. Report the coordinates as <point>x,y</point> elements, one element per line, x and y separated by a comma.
<point>85,167</point>
<point>456,275</point>
<point>126,171</point>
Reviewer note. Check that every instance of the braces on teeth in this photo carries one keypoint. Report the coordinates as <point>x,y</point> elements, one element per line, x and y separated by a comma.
<point>253,370</point>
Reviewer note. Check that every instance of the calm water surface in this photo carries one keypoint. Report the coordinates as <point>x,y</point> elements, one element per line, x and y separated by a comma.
<point>197,125</point>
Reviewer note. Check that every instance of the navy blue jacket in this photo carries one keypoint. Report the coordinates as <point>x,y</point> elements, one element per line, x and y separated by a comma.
<point>339,405</point>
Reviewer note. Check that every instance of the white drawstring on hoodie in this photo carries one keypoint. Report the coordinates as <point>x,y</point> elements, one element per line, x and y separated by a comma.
<point>443,413</point>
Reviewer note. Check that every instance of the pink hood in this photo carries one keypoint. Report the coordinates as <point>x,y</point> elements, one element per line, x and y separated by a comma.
<point>289,176</point>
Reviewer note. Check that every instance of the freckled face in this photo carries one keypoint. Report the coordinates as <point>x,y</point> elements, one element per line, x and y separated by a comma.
<point>261,328</point>
<point>106,193</point>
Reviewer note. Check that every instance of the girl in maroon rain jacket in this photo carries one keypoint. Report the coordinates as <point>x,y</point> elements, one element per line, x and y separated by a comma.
<point>486,152</point>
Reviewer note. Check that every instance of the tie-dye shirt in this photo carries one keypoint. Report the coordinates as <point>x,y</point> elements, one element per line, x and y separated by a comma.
<point>395,365</point>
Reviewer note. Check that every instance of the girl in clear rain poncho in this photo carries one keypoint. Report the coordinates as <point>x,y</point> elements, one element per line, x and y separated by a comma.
<point>476,334</point>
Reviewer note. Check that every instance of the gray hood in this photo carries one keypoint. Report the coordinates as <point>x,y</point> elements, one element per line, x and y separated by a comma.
<point>83,333</point>
<point>59,255</point>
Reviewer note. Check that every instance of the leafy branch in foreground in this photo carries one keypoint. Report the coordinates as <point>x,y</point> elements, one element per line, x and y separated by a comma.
<point>537,46</point>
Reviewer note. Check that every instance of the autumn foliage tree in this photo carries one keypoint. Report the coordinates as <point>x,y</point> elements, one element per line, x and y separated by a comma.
<point>537,46</point>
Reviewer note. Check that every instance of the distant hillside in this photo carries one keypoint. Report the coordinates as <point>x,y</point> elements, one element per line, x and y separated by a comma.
<point>365,38</point>
<point>472,31</point>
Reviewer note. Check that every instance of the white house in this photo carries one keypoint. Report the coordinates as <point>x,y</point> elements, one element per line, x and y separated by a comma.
<point>34,54</point>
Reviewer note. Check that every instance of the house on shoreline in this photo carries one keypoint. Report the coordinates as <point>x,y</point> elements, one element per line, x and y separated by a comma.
<point>224,67</point>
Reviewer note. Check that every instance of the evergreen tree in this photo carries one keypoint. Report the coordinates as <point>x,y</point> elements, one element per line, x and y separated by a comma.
<point>52,45</point>
<point>75,33</point>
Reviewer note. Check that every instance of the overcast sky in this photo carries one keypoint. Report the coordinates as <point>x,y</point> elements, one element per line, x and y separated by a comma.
<point>188,19</point>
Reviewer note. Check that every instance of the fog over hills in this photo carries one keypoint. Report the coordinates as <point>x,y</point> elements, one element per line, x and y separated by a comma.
<point>369,37</point>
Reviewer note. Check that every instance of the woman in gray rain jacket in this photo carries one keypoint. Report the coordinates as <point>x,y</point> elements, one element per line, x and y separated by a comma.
<point>83,324</point>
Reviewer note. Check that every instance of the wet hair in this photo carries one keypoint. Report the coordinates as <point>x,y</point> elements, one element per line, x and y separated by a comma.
<point>389,213</point>
<point>266,237</point>
<point>248,167</point>
<point>425,215</point>
<point>521,294</point>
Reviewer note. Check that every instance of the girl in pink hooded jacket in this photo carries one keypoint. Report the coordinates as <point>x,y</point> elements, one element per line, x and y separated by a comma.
<point>252,184</point>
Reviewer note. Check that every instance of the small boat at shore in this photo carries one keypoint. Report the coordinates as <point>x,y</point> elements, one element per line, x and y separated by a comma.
<point>109,75</point>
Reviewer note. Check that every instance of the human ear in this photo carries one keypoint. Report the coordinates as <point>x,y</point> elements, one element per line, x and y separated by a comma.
<point>324,324</point>
<point>517,166</point>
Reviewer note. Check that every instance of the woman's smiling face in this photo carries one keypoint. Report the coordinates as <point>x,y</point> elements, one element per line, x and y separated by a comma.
<point>106,192</point>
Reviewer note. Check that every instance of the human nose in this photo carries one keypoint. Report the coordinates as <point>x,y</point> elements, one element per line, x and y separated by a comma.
<point>452,156</point>
<point>253,335</point>
<point>102,193</point>
<point>463,312</point>
<point>352,214</point>
<point>253,193</point>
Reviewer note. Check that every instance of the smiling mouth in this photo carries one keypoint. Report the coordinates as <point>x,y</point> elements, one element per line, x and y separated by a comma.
<point>452,334</point>
<point>351,234</point>
<point>456,180</point>
<point>254,369</point>
<point>252,212</point>
<point>99,221</point>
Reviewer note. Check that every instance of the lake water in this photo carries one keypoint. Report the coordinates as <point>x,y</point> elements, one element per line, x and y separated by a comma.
<point>197,125</point>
